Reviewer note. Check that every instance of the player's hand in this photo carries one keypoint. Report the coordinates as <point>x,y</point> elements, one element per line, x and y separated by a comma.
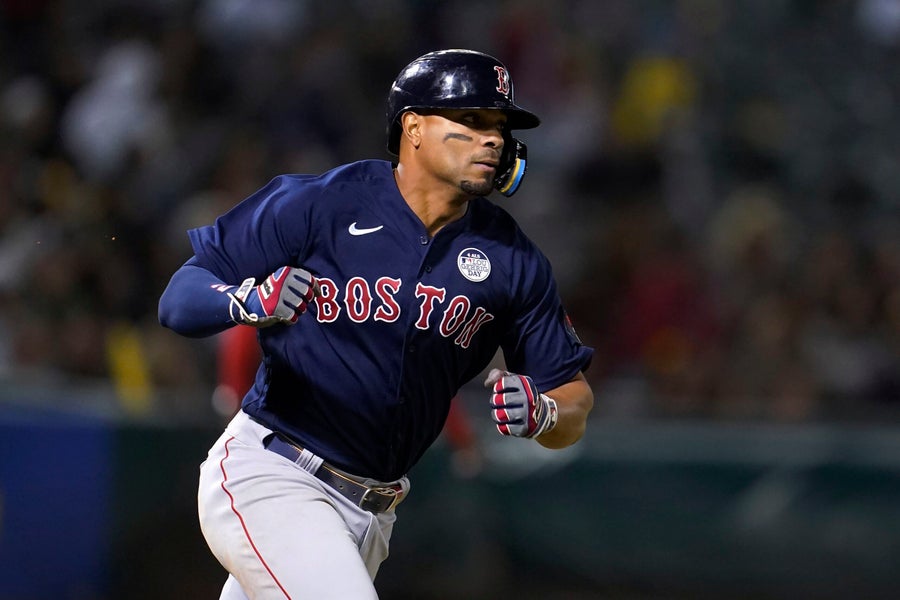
<point>281,298</point>
<point>517,407</point>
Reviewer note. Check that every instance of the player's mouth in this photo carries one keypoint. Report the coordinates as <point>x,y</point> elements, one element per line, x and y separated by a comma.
<point>487,163</point>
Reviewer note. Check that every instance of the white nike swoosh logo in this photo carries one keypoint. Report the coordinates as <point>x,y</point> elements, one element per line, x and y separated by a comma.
<point>356,231</point>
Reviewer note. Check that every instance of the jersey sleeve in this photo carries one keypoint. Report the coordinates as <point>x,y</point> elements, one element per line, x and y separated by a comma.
<point>542,342</point>
<point>264,232</point>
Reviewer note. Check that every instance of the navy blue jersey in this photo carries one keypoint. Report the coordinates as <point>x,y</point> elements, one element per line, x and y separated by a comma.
<point>365,378</point>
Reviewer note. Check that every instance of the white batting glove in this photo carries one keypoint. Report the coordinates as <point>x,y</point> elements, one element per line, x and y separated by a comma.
<point>517,407</point>
<point>281,298</point>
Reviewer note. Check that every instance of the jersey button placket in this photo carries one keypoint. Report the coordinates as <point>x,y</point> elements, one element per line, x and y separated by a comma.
<point>424,240</point>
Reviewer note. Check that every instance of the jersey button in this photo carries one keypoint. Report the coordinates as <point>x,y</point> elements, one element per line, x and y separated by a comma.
<point>412,348</point>
<point>427,269</point>
<point>423,240</point>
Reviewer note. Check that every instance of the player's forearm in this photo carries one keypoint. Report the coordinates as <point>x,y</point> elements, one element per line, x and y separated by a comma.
<point>574,401</point>
<point>192,305</point>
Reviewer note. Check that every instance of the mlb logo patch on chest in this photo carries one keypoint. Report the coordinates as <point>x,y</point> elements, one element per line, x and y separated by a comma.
<point>473,264</point>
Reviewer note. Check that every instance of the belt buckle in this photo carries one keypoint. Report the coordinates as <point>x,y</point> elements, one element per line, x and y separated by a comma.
<point>381,493</point>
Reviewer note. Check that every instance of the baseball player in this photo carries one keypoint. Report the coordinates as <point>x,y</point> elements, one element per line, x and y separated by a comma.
<point>413,280</point>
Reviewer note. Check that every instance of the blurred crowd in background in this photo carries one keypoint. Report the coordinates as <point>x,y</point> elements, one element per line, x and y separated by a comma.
<point>717,183</point>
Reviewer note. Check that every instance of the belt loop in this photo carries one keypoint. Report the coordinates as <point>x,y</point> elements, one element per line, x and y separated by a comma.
<point>309,462</point>
<point>303,458</point>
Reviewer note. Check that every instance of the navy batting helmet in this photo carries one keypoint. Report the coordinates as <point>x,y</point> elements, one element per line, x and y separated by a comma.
<point>454,79</point>
<point>461,79</point>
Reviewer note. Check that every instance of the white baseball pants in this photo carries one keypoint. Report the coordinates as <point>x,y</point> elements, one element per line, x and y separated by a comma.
<point>278,530</point>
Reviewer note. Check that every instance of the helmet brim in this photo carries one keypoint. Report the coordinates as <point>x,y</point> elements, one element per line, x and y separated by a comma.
<point>519,118</point>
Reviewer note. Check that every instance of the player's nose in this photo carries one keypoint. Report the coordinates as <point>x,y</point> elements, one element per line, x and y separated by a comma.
<point>492,138</point>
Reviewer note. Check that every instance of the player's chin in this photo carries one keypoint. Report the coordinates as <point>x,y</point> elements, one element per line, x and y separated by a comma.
<point>481,187</point>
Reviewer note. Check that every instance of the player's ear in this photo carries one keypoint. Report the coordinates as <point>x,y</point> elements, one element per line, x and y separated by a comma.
<point>411,128</point>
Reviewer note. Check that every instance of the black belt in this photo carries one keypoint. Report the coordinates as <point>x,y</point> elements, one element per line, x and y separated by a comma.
<point>373,499</point>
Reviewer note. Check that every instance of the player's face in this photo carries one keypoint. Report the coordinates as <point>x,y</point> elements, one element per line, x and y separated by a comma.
<point>464,147</point>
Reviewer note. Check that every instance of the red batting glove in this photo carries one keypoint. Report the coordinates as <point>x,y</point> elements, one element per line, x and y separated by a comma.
<point>281,298</point>
<point>517,407</point>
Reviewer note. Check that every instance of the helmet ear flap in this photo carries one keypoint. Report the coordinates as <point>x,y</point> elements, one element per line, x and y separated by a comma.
<point>512,166</point>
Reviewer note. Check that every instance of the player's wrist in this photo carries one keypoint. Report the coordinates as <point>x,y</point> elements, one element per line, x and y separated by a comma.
<point>238,309</point>
<point>548,416</point>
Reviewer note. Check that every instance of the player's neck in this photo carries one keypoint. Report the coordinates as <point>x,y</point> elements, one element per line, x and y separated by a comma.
<point>435,217</point>
<point>435,207</point>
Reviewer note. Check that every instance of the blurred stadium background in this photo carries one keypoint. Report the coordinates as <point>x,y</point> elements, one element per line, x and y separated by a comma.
<point>717,184</point>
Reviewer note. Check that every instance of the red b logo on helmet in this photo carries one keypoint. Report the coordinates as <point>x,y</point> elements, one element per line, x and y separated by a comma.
<point>503,85</point>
